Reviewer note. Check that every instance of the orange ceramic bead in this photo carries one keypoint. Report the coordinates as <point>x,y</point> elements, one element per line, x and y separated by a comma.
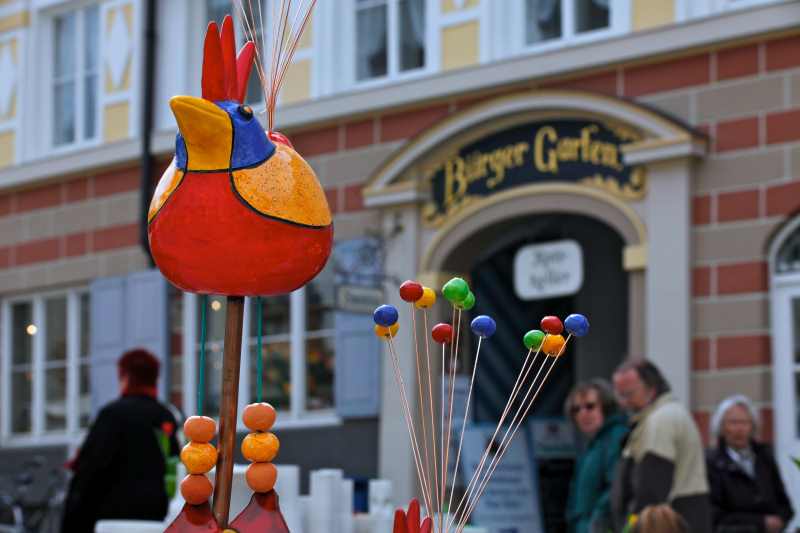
<point>260,447</point>
<point>196,489</point>
<point>199,457</point>
<point>259,416</point>
<point>200,428</point>
<point>261,477</point>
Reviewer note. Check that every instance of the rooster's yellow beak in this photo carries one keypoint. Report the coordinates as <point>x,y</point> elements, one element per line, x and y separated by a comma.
<point>206,130</point>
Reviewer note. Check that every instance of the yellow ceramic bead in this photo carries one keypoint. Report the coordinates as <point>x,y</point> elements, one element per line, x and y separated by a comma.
<point>260,447</point>
<point>553,345</point>
<point>384,333</point>
<point>427,300</point>
<point>199,457</point>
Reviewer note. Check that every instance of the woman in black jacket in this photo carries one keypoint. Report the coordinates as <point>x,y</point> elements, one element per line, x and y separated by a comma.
<point>120,470</point>
<point>747,493</point>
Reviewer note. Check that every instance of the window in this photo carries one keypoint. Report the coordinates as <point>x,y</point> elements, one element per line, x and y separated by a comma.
<point>76,52</point>
<point>216,10</point>
<point>47,370</point>
<point>546,20</point>
<point>297,351</point>
<point>390,37</point>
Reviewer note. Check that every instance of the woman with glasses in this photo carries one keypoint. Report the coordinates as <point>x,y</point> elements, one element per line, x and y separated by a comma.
<point>592,409</point>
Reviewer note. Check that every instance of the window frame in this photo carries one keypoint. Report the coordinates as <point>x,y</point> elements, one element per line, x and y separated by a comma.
<point>38,435</point>
<point>513,42</point>
<point>393,73</point>
<point>49,27</point>
<point>297,416</point>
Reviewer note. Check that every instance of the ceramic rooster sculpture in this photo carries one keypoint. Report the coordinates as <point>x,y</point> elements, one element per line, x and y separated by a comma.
<point>238,212</point>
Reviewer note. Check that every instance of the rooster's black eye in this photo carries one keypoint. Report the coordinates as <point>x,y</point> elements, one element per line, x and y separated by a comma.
<point>246,111</point>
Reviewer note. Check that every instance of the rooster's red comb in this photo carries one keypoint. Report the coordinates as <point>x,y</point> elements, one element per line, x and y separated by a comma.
<point>224,75</point>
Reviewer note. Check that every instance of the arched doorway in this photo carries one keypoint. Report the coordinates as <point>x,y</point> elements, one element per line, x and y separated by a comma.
<point>431,216</point>
<point>784,266</point>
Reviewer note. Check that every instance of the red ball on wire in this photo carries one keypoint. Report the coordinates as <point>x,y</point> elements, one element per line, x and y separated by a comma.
<point>411,291</point>
<point>442,333</point>
<point>552,325</point>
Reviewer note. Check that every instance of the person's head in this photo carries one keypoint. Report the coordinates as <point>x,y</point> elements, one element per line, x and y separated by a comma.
<point>588,405</point>
<point>637,383</point>
<point>735,421</point>
<point>137,369</point>
<point>660,519</point>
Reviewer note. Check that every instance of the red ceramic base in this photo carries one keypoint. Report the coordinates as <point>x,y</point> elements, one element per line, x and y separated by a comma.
<point>262,515</point>
<point>194,519</point>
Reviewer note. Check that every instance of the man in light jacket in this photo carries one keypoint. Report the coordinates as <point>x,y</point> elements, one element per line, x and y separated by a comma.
<point>663,459</point>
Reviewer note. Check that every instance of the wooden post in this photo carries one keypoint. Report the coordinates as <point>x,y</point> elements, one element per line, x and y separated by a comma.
<point>228,409</point>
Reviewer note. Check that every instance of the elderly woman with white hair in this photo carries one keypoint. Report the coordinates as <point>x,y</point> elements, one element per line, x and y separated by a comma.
<point>747,493</point>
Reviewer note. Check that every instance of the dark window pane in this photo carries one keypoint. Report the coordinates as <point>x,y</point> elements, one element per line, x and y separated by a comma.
<point>371,52</point>
<point>22,331</point>
<point>91,35</point>
<point>55,329</point>
<point>85,324</point>
<point>21,401</point>
<point>65,44</point>
<point>90,106</point>
<point>319,373</point>
<point>276,385</point>
<point>55,406</point>
<point>85,399</point>
<point>591,15</point>
<point>543,20</point>
<point>412,34</point>
<point>64,113</point>
<point>321,300</point>
<point>274,316</point>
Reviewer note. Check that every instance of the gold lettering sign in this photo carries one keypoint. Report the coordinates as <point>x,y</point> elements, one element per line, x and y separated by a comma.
<point>580,151</point>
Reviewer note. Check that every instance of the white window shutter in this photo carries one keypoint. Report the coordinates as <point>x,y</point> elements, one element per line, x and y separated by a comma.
<point>126,312</point>
<point>358,366</point>
<point>146,319</point>
<point>107,317</point>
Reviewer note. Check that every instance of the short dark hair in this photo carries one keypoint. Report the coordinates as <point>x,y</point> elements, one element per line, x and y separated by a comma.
<point>604,393</point>
<point>140,366</point>
<point>647,372</point>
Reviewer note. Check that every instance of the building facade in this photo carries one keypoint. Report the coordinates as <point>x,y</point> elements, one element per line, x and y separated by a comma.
<point>656,140</point>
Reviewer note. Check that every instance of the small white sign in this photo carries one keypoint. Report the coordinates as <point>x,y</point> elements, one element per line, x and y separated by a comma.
<point>548,270</point>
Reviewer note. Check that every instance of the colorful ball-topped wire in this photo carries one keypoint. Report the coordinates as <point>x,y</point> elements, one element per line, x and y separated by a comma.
<point>427,299</point>
<point>456,291</point>
<point>533,339</point>
<point>442,333</point>
<point>467,303</point>
<point>483,326</point>
<point>577,325</point>
<point>411,291</point>
<point>552,325</point>
<point>385,315</point>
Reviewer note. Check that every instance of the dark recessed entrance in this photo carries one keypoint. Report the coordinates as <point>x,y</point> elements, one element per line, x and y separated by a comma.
<point>488,256</point>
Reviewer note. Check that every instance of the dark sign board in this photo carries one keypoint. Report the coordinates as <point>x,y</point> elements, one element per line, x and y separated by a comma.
<point>565,150</point>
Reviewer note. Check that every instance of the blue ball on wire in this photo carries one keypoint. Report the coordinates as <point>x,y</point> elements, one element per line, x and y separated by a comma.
<point>576,325</point>
<point>483,326</point>
<point>385,315</point>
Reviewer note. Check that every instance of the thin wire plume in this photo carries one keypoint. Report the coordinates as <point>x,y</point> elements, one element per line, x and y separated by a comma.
<point>286,32</point>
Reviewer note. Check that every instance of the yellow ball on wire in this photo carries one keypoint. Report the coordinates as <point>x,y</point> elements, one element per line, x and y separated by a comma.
<point>384,333</point>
